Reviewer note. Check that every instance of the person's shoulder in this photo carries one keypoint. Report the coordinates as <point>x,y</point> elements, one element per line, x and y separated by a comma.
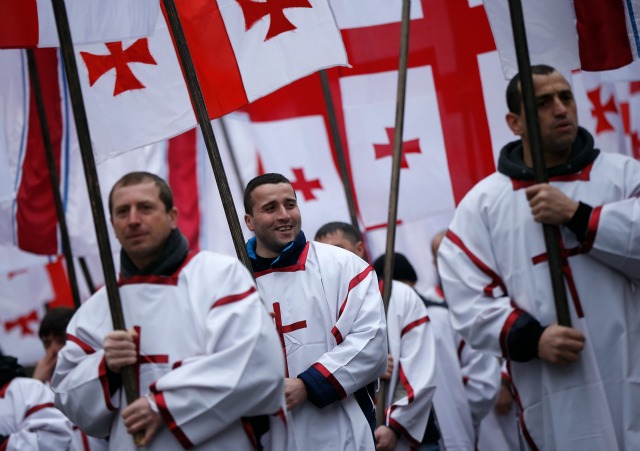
<point>30,386</point>
<point>329,250</point>
<point>205,257</point>
<point>489,187</point>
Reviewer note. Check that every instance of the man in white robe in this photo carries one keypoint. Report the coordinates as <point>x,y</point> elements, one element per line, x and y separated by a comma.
<point>577,387</point>
<point>28,418</point>
<point>329,315</point>
<point>412,379</point>
<point>207,359</point>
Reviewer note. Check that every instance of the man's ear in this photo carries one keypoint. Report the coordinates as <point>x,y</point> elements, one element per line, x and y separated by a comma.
<point>360,249</point>
<point>248,220</point>
<point>515,123</point>
<point>173,214</point>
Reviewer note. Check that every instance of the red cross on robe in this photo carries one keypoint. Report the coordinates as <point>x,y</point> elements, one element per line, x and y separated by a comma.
<point>146,359</point>
<point>386,150</point>
<point>283,329</point>
<point>254,11</point>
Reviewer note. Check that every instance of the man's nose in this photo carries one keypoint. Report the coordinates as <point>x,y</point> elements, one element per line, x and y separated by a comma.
<point>283,213</point>
<point>134,217</point>
<point>559,108</point>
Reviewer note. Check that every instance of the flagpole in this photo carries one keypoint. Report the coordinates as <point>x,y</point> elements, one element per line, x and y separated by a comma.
<point>389,257</point>
<point>87,275</point>
<point>551,233</point>
<point>71,69</point>
<point>337,145</point>
<point>36,88</point>
<point>207,132</point>
<point>232,155</point>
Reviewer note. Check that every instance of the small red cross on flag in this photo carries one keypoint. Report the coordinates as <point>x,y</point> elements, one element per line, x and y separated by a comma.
<point>600,108</point>
<point>386,150</point>
<point>305,186</point>
<point>255,11</point>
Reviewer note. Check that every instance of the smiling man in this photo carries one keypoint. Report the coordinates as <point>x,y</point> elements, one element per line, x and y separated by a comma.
<point>577,387</point>
<point>330,318</point>
<point>208,361</point>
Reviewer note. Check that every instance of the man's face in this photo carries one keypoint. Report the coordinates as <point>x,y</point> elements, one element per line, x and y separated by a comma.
<point>141,222</point>
<point>53,343</point>
<point>275,218</point>
<point>557,116</point>
<point>338,238</point>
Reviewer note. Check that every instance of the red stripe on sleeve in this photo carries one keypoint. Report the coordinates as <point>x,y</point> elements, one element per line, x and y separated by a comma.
<point>495,279</point>
<point>19,24</point>
<point>354,283</point>
<point>170,422</point>
<point>233,298</point>
<point>331,378</point>
<point>39,407</point>
<point>338,336</point>
<point>603,41</point>
<point>513,316</point>
<point>414,324</point>
<point>85,347</point>
<point>592,229</point>
<point>215,65</point>
<point>401,429</point>
<point>36,218</point>
<point>405,383</point>
<point>102,375</point>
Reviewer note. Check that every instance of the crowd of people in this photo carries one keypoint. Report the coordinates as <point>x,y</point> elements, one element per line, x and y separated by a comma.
<point>295,355</point>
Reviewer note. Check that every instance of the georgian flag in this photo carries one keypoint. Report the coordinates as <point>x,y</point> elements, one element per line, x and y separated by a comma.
<point>31,23</point>
<point>592,35</point>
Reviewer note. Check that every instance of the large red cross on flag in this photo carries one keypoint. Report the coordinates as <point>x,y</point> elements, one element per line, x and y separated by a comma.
<point>31,23</point>
<point>278,23</point>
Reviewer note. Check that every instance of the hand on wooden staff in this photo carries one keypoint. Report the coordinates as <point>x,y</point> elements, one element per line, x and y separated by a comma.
<point>387,374</point>
<point>560,345</point>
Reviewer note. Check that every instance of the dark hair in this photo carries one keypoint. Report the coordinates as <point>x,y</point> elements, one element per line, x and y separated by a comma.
<point>402,269</point>
<point>349,231</point>
<point>270,178</point>
<point>139,177</point>
<point>514,96</point>
<point>55,322</point>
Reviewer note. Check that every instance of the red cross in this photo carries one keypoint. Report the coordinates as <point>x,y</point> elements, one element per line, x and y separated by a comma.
<point>599,109</point>
<point>283,329</point>
<point>23,323</point>
<point>386,150</point>
<point>254,11</point>
<point>119,59</point>
<point>15,273</point>
<point>146,359</point>
<point>305,186</point>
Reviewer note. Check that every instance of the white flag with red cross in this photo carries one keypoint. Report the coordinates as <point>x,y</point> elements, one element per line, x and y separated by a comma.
<point>591,35</point>
<point>31,23</point>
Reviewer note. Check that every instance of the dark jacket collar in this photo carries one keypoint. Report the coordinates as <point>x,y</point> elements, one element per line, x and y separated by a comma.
<point>289,255</point>
<point>175,251</point>
<point>511,162</point>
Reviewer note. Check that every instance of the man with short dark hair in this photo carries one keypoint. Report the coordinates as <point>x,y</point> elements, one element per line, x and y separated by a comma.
<point>577,386</point>
<point>207,358</point>
<point>412,348</point>
<point>329,315</point>
<point>53,334</point>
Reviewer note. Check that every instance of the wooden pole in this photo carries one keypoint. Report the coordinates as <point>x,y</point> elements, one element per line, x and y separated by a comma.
<point>36,88</point>
<point>551,233</point>
<point>87,275</point>
<point>395,178</point>
<point>88,162</point>
<point>232,155</point>
<point>337,145</point>
<point>207,132</point>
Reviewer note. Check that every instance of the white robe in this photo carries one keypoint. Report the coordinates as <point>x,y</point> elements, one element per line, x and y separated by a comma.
<point>412,346</point>
<point>208,358</point>
<point>330,313</point>
<point>492,270</point>
<point>30,419</point>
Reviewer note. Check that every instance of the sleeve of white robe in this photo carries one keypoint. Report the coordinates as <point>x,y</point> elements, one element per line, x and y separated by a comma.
<point>241,374</point>
<point>481,310</point>
<point>613,234</point>
<point>414,368</point>
<point>481,373</point>
<point>38,425</point>
<point>360,354</point>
